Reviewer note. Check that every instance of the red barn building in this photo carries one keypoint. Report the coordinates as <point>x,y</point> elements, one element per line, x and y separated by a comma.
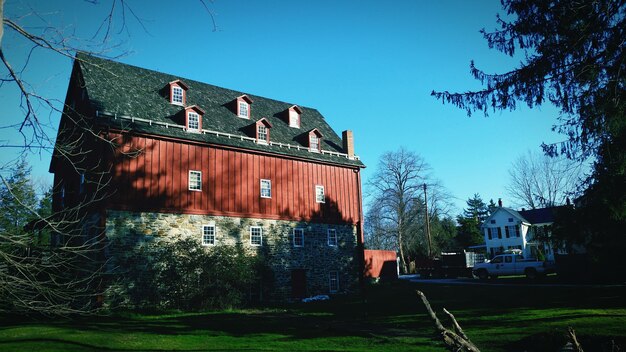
<point>179,159</point>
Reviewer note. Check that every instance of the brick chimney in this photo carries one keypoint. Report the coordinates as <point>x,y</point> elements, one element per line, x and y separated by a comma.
<point>348,143</point>
<point>500,202</point>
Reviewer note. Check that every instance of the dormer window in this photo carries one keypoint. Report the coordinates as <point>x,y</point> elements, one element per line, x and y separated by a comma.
<point>294,113</point>
<point>177,95</point>
<point>262,134</point>
<point>243,107</point>
<point>178,92</point>
<point>315,141</point>
<point>243,110</point>
<point>193,118</point>
<point>193,121</point>
<point>315,144</point>
<point>263,127</point>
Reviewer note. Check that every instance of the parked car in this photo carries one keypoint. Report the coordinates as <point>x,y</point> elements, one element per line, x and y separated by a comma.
<point>512,264</point>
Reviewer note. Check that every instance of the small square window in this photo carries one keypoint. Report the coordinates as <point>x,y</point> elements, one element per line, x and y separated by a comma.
<point>177,95</point>
<point>333,281</point>
<point>332,237</point>
<point>319,194</point>
<point>256,235</point>
<point>298,237</point>
<point>208,235</point>
<point>262,134</point>
<point>510,219</point>
<point>193,122</point>
<point>266,189</point>
<point>493,221</point>
<point>244,110</point>
<point>195,180</point>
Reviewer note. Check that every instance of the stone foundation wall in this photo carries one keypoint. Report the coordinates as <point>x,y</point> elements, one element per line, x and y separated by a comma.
<point>128,232</point>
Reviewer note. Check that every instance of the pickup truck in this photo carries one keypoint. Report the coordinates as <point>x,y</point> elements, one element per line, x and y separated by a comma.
<point>511,264</point>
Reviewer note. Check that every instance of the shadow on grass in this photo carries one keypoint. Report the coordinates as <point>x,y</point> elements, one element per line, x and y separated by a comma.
<point>73,345</point>
<point>385,314</point>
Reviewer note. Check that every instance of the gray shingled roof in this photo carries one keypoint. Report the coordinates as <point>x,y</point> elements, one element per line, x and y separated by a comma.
<point>541,215</point>
<point>121,89</point>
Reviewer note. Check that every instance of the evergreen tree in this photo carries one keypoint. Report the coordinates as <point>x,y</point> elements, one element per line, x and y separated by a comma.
<point>491,208</point>
<point>18,201</point>
<point>476,209</point>
<point>573,57</point>
<point>468,231</point>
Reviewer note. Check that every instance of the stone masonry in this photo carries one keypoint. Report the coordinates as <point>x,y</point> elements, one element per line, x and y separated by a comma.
<point>127,231</point>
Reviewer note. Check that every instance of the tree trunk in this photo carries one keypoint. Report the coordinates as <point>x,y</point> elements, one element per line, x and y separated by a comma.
<point>1,24</point>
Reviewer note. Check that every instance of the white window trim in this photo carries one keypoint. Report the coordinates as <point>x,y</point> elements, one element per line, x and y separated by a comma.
<point>331,275</point>
<point>270,188</point>
<point>189,181</point>
<point>182,96</point>
<point>294,116</point>
<point>301,231</point>
<point>336,241</point>
<point>214,235</point>
<point>189,119</point>
<point>260,236</point>
<point>247,109</point>
<point>323,194</point>
<point>311,149</point>
<point>258,133</point>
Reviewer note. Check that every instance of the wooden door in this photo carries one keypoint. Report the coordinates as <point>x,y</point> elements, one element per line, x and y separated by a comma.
<point>298,283</point>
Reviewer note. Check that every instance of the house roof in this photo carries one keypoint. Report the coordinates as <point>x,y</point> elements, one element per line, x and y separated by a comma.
<point>137,99</point>
<point>540,216</point>
<point>532,216</point>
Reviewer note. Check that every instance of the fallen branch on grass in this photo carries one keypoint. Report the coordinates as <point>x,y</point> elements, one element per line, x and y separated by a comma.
<point>572,344</point>
<point>455,339</point>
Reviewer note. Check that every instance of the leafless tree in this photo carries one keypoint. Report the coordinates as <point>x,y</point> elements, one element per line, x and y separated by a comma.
<point>64,277</point>
<point>397,201</point>
<point>538,181</point>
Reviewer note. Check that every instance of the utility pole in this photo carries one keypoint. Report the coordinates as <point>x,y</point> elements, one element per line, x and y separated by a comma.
<point>430,248</point>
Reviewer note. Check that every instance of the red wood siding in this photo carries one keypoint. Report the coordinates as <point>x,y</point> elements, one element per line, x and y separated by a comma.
<point>379,263</point>
<point>156,179</point>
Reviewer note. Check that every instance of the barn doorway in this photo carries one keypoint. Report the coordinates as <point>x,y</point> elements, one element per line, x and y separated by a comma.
<point>298,283</point>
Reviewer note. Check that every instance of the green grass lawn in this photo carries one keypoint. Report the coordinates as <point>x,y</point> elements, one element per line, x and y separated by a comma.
<point>388,317</point>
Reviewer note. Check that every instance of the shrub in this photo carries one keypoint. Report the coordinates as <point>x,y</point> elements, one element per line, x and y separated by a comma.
<point>184,275</point>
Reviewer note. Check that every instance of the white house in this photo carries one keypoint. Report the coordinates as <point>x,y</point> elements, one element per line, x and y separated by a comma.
<point>508,229</point>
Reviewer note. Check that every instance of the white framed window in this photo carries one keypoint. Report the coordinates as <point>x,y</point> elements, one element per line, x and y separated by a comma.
<point>266,189</point>
<point>208,235</point>
<point>319,194</point>
<point>244,109</point>
<point>262,134</point>
<point>489,233</point>
<point>193,122</point>
<point>298,237</point>
<point>314,144</point>
<point>332,237</point>
<point>294,119</point>
<point>333,281</point>
<point>256,235</point>
<point>177,95</point>
<point>195,180</point>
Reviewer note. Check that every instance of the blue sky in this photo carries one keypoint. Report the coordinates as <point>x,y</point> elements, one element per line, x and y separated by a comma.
<point>368,66</point>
